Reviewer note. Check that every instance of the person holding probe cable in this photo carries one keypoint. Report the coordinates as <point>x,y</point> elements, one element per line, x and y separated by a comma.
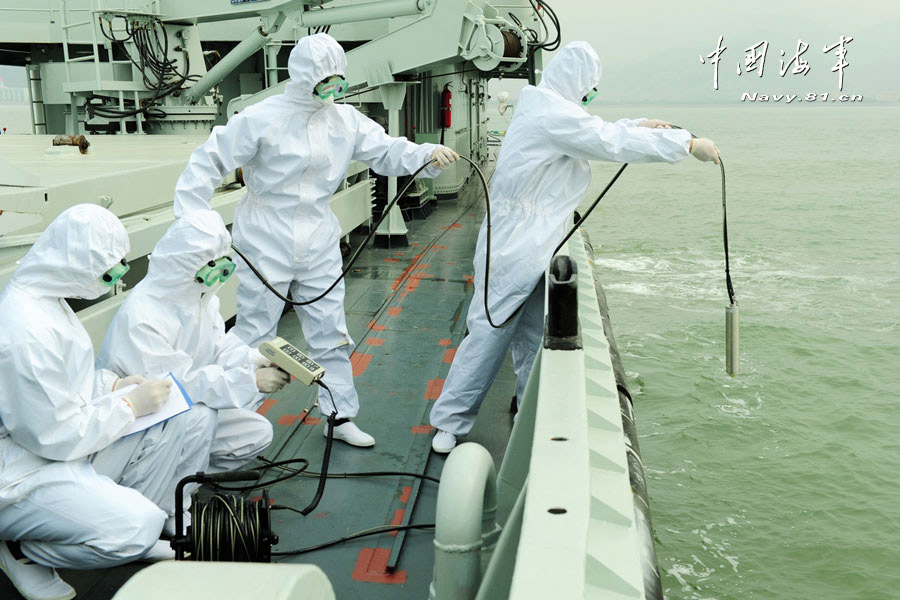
<point>295,148</point>
<point>542,173</point>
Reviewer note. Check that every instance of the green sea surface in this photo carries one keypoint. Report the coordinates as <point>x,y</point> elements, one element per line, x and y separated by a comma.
<point>783,482</point>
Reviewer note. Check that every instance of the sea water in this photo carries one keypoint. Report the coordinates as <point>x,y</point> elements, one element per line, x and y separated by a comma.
<point>783,482</point>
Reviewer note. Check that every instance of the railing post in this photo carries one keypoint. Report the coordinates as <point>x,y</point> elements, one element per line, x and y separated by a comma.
<point>562,330</point>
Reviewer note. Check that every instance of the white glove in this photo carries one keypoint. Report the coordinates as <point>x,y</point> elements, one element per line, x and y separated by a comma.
<point>271,379</point>
<point>259,360</point>
<point>655,124</point>
<point>124,382</point>
<point>149,396</point>
<point>704,150</point>
<point>444,157</point>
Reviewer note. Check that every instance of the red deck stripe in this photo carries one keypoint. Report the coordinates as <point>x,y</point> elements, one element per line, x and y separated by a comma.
<point>422,429</point>
<point>449,354</point>
<point>360,362</point>
<point>405,493</point>
<point>375,327</point>
<point>374,341</point>
<point>266,405</point>
<point>287,419</point>
<point>392,260</point>
<point>433,391</point>
<point>371,567</point>
<point>397,520</point>
<point>444,342</point>
<point>394,311</point>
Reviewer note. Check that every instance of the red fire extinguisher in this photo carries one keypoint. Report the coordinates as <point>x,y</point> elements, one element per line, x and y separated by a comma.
<point>446,96</point>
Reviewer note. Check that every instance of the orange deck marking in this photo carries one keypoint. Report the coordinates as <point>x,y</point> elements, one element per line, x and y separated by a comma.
<point>374,341</point>
<point>371,567</point>
<point>392,260</point>
<point>449,354</point>
<point>375,327</point>
<point>405,493</point>
<point>394,311</point>
<point>288,419</point>
<point>444,342</point>
<point>433,391</point>
<point>422,429</point>
<point>266,405</point>
<point>397,520</point>
<point>360,362</point>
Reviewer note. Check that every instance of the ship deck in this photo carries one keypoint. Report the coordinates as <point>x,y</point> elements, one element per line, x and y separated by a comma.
<point>406,312</point>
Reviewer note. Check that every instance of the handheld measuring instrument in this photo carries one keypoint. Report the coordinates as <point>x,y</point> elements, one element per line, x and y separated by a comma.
<point>287,358</point>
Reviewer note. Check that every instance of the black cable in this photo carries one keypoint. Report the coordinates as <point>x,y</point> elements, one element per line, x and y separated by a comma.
<point>590,209</point>
<point>153,55</point>
<point>229,528</point>
<point>362,246</point>
<point>728,283</point>
<point>355,475</point>
<point>352,259</point>
<point>373,531</point>
<point>326,457</point>
<point>269,483</point>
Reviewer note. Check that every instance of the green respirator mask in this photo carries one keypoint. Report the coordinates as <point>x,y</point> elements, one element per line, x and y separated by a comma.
<point>589,97</point>
<point>115,273</point>
<point>216,271</point>
<point>333,87</point>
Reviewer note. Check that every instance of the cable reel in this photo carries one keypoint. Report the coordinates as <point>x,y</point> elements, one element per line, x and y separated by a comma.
<point>224,527</point>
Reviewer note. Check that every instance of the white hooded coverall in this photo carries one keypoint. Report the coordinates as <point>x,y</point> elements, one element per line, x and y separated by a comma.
<point>170,322</point>
<point>543,171</point>
<point>295,150</point>
<point>56,410</point>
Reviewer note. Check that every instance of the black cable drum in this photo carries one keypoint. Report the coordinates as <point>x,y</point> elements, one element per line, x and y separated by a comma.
<point>230,528</point>
<point>649,566</point>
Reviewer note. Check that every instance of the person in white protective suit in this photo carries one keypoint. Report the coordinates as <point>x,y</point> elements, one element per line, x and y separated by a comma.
<point>171,322</point>
<point>542,173</point>
<point>57,415</point>
<point>295,148</point>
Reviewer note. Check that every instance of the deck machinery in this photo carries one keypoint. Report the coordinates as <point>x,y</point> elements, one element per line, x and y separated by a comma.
<point>119,94</point>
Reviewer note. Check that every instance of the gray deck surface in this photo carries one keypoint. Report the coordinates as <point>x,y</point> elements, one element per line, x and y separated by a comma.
<point>406,312</point>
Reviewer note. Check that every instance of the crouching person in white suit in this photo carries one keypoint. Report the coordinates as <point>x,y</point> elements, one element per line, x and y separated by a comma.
<point>171,322</point>
<point>57,414</point>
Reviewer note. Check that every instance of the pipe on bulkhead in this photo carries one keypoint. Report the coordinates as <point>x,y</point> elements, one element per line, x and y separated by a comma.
<point>250,45</point>
<point>466,527</point>
<point>383,9</point>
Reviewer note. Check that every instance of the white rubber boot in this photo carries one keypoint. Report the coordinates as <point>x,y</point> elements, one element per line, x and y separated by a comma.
<point>353,435</point>
<point>34,581</point>
<point>443,442</point>
<point>159,552</point>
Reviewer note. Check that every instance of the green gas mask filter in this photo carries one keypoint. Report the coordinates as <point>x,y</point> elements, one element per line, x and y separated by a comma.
<point>333,87</point>
<point>589,97</point>
<point>115,273</point>
<point>216,271</point>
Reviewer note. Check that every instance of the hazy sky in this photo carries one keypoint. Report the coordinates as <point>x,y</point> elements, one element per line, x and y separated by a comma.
<point>650,48</point>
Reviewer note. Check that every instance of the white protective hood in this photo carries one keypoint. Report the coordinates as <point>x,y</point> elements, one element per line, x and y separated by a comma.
<point>573,72</point>
<point>192,241</point>
<point>313,59</point>
<point>71,255</point>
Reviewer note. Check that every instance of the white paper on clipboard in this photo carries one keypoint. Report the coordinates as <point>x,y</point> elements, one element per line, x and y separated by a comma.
<point>178,402</point>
